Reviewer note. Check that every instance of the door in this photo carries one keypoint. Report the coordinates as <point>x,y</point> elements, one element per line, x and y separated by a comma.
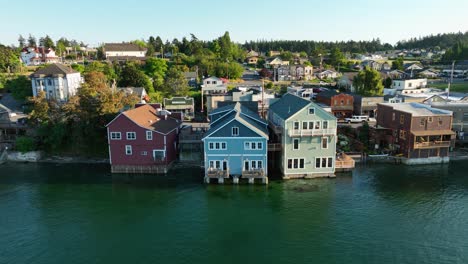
<point>246,165</point>
<point>225,165</point>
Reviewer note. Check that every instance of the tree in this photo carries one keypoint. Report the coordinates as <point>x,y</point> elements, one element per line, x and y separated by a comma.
<point>25,144</point>
<point>21,41</point>
<point>40,112</point>
<point>46,42</point>
<point>265,73</point>
<point>9,59</point>
<point>140,43</point>
<point>175,83</point>
<point>156,69</point>
<point>131,76</point>
<point>78,67</point>
<point>336,57</point>
<point>32,41</point>
<point>387,83</point>
<point>368,82</point>
<point>398,64</point>
<point>20,87</point>
<point>96,80</point>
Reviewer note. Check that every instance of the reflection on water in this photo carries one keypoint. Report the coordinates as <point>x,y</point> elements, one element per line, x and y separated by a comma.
<point>379,214</point>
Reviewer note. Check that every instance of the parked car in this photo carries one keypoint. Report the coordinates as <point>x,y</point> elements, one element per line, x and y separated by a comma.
<point>356,119</point>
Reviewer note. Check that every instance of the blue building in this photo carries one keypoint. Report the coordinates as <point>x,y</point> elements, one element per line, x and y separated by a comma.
<point>236,145</point>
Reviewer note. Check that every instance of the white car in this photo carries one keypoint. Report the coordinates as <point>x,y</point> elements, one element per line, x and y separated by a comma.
<point>356,119</point>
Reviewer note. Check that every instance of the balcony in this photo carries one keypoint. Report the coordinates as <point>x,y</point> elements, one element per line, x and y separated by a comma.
<point>431,144</point>
<point>254,173</point>
<point>217,173</point>
<point>311,132</point>
<point>276,129</point>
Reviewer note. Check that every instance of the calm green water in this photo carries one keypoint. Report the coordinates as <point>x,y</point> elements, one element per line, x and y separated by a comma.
<point>380,214</point>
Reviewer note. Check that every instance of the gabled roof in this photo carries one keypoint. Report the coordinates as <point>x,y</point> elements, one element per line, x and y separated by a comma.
<point>123,47</point>
<point>241,114</point>
<point>146,117</point>
<point>139,91</point>
<point>288,105</point>
<point>178,101</point>
<point>190,75</point>
<point>54,69</point>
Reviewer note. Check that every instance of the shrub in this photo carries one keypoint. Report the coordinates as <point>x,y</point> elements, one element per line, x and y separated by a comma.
<point>25,144</point>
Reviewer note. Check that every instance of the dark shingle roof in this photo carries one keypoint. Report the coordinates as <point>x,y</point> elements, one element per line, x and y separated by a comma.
<point>54,69</point>
<point>123,47</point>
<point>288,105</point>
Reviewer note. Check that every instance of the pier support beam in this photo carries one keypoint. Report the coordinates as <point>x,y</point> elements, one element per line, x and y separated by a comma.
<point>207,179</point>
<point>235,180</point>
<point>265,180</point>
<point>251,180</point>
<point>220,180</point>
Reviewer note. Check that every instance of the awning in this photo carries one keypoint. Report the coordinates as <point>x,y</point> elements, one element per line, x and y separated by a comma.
<point>432,132</point>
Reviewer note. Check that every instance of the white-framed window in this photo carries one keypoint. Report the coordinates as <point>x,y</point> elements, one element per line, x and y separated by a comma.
<point>296,163</point>
<point>128,150</point>
<point>325,124</point>
<point>131,135</point>
<point>296,143</point>
<point>253,145</point>
<point>324,142</point>
<point>326,162</point>
<point>144,153</point>
<point>296,125</point>
<point>248,145</point>
<point>235,131</point>
<point>217,145</point>
<point>304,125</point>
<point>311,111</point>
<point>317,125</point>
<point>115,135</point>
<point>149,135</point>
<point>159,154</point>
<point>259,145</point>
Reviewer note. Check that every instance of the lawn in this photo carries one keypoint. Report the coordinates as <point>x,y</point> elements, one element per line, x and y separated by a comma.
<point>455,87</point>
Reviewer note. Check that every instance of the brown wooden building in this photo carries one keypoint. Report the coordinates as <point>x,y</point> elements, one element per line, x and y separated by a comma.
<point>417,130</point>
<point>341,103</point>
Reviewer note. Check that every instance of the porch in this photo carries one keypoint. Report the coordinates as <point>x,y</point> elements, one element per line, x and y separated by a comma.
<point>344,162</point>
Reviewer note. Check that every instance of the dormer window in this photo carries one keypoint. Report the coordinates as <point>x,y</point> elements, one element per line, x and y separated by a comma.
<point>235,131</point>
<point>311,111</point>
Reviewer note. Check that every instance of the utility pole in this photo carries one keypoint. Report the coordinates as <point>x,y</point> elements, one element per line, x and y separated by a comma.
<point>451,79</point>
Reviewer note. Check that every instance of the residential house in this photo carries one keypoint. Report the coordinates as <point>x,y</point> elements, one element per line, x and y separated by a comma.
<point>342,104</point>
<point>141,141</point>
<point>184,105</point>
<point>38,55</point>
<point>419,133</point>
<point>213,85</point>
<point>307,136</point>
<point>275,63</point>
<point>191,78</point>
<point>412,67</point>
<point>140,92</point>
<point>252,57</point>
<point>403,84</point>
<point>428,74</point>
<point>258,98</point>
<point>58,81</point>
<point>327,74</point>
<point>386,66</point>
<point>397,74</point>
<point>123,50</point>
<point>366,105</point>
<point>236,145</point>
<point>372,64</point>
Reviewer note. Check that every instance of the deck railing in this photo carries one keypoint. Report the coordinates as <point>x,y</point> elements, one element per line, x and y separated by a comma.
<point>254,173</point>
<point>432,144</point>
<point>344,161</point>
<point>311,132</point>
<point>217,173</point>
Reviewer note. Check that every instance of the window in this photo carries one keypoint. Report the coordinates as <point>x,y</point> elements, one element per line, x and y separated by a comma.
<point>128,150</point>
<point>144,153</point>
<point>159,154</point>
<point>311,125</point>
<point>304,125</point>
<point>393,116</point>
<point>410,84</point>
<point>311,111</point>
<point>301,163</point>
<point>49,81</point>
<point>247,145</point>
<point>289,163</point>
<point>296,143</point>
<point>217,145</point>
<point>296,125</point>
<point>259,145</point>
<point>317,125</point>
<point>330,162</point>
<point>253,145</point>
<point>402,119</point>
<point>440,121</point>
<point>259,164</point>
<point>149,135</point>
<point>131,135</point>
<point>324,143</point>
<point>422,121</point>
<point>115,136</point>
<point>296,163</point>
<point>324,162</point>
<point>317,162</point>
<point>325,124</point>
<point>211,145</point>
<point>235,131</point>
<point>223,145</point>
<point>402,134</point>
<point>429,119</point>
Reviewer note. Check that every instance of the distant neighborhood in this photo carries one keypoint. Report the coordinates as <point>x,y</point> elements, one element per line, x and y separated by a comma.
<point>240,112</point>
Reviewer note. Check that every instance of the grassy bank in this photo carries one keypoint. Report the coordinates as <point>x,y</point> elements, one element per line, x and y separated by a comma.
<point>461,87</point>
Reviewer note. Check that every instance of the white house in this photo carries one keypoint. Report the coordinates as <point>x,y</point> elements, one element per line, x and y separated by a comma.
<point>37,56</point>
<point>428,74</point>
<point>58,81</point>
<point>140,92</point>
<point>212,85</point>
<point>276,62</point>
<point>124,50</point>
<point>409,84</point>
<point>327,74</point>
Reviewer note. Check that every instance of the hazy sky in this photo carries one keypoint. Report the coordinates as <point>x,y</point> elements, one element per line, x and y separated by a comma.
<point>97,21</point>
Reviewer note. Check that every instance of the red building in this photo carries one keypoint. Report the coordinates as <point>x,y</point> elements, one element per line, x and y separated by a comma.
<point>141,141</point>
<point>418,132</point>
<point>341,104</point>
